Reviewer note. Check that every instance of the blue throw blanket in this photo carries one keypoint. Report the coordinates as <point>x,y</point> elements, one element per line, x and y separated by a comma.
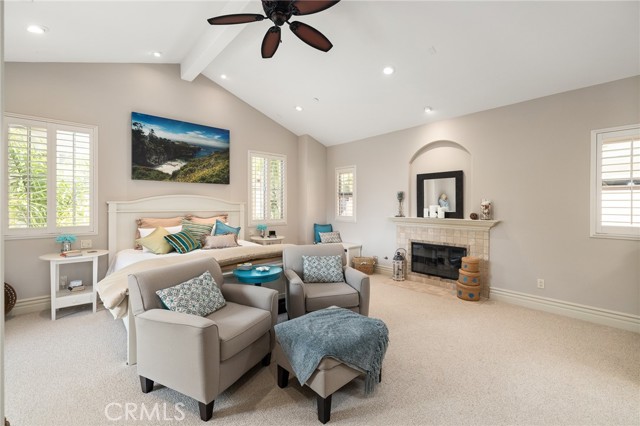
<point>355,340</point>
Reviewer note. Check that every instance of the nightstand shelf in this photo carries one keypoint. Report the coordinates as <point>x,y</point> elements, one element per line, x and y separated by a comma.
<point>63,298</point>
<point>265,241</point>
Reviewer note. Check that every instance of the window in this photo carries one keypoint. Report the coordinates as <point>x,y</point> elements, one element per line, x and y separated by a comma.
<point>267,188</point>
<point>50,172</point>
<point>346,193</point>
<point>615,180</point>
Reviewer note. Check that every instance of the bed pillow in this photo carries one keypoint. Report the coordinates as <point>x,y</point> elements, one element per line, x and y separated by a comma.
<point>330,237</point>
<point>155,242</point>
<point>182,241</point>
<point>146,231</point>
<point>197,296</point>
<point>317,228</point>
<point>222,228</point>
<point>220,241</point>
<point>197,230</point>
<point>322,269</point>
<point>153,223</point>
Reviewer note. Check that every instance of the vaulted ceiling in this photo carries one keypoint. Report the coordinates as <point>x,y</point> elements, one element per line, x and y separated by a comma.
<point>454,57</point>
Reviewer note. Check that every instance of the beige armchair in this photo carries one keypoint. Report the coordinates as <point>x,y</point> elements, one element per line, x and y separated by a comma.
<point>200,356</point>
<point>303,297</point>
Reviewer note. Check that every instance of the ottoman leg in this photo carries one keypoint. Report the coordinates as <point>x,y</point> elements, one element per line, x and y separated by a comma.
<point>324,409</point>
<point>283,377</point>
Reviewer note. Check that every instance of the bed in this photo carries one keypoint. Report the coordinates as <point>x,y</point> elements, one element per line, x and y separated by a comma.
<point>124,260</point>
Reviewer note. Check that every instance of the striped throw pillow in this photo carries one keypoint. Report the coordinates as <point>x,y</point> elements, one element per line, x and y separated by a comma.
<point>182,241</point>
<point>197,230</point>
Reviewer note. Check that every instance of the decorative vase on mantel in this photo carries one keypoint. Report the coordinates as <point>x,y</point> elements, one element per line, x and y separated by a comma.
<point>400,196</point>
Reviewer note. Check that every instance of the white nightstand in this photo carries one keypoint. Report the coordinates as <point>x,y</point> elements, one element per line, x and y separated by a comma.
<point>267,240</point>
<point>352,250</point>
<point>62,298</point>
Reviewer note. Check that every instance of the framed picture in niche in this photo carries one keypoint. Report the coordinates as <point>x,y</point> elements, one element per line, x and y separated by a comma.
<point>444,190</point>
<point>169,150</point>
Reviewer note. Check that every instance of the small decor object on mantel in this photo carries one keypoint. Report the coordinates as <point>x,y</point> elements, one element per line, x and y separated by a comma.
<point>262,228</point>
<point>473,216</point>
<point>485,207</point>
<point>400,200</point>
<point>65,240</point>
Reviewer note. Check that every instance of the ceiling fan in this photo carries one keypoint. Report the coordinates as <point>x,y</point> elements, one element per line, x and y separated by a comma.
<point>280,12</point>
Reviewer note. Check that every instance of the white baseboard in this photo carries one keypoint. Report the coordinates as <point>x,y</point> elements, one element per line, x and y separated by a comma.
<point>573,310</point>
<point>383,269</point>
<point>33,304</point>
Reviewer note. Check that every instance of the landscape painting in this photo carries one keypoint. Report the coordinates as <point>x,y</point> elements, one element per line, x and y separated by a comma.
<point>176,151</point>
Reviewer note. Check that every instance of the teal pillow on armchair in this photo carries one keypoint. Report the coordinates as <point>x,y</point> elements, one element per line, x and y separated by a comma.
<point>318,228</point>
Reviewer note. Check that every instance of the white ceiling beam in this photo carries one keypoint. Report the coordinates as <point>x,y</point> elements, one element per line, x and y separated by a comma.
<point>214,40</point>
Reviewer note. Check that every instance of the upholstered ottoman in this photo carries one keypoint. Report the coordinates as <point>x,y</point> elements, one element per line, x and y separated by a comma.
<point>311,342</point>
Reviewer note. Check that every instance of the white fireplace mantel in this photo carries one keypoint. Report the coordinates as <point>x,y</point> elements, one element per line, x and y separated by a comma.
<point>471,225</point>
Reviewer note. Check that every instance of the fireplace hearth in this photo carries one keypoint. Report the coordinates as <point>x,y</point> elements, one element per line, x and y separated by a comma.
<point>437,260</point>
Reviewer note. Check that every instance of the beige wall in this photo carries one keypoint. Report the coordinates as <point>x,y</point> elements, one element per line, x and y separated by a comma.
<point>312,163</point>
<point>105,95</point>
<point>533,160</point>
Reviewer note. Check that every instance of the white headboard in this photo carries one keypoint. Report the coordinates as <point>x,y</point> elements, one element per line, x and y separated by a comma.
<point>123,214</point>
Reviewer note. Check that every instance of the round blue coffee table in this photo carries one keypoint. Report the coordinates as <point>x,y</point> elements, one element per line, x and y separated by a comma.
<point>251,276</point>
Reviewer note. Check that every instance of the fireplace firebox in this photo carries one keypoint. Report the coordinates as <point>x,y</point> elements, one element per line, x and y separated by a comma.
<point>438,260</point>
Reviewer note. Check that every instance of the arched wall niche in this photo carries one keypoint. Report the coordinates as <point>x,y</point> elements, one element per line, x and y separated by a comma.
<point>441,156</point>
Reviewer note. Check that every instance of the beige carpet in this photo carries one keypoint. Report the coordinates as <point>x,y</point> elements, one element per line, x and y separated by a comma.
<point>449,362</point>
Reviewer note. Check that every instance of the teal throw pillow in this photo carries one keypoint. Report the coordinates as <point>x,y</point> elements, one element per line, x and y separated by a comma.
<point>222,228</point>
<point>322,269</point>
<point>182,241</point>
<point>317,228</point>
<point>197,296</point>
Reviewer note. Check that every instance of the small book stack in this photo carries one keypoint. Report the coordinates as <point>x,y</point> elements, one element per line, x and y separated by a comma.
<point>71,253</point>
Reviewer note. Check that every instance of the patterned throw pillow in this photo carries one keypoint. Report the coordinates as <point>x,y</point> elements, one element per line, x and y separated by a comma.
<point>322,269</point>
<point>198,296</point>
<point>182,241</point>
<point>330,237</point>
<point>197,230</point>
<point>222,228</point>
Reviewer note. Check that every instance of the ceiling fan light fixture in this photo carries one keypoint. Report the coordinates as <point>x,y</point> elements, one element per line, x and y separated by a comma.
<point>388,70</point>
<point>37,29</point>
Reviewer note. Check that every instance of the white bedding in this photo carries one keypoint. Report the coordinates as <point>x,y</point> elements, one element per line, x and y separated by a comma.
<point>128,257</point>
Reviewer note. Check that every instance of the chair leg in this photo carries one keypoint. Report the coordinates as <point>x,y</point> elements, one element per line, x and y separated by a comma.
<point>146,384</point>
<point>266,360</point>
<point>283,377</point>
<point>324,409</point>
<point>206,410</point>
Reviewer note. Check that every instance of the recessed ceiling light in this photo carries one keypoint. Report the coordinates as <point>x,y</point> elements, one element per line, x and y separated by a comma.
<point>298,108</point>
<point>37,29</point>
<point>427,109</point>
<point>223,76</point>
<point>157,54</point>
<point>388,70</point>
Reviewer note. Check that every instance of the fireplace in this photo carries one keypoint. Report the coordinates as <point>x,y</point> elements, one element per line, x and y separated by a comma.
<point>437,260</point>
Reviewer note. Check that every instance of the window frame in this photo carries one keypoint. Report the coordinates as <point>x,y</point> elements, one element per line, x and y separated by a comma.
<point>270,156</point>
<point>340,170</point>
<point>597,230</point>
<point>52,125</point>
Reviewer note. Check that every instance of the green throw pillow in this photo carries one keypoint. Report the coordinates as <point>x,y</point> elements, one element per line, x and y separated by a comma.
<point>322,269</point>
<point>197,230</point>
<point>182,241</point>
<point>155,241</point>
<point>197,296</point>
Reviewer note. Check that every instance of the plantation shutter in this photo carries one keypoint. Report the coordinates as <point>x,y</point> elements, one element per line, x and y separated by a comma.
<point>619,181</point>
<point>267,187</point>
<point>345,183</point>
<point>27,176</point>
<point>73,178</point>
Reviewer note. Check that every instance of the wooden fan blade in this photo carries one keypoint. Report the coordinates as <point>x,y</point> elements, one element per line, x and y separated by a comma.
<point>307,7</point>
<point>311,36</point>
<point>238,18</point>
<point>270,42</point>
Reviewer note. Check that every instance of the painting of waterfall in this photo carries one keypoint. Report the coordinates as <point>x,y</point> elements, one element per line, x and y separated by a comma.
<point>170,150</point>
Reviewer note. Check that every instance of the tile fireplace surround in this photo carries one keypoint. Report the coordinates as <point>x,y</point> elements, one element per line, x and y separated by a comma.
<point>470,234</point>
